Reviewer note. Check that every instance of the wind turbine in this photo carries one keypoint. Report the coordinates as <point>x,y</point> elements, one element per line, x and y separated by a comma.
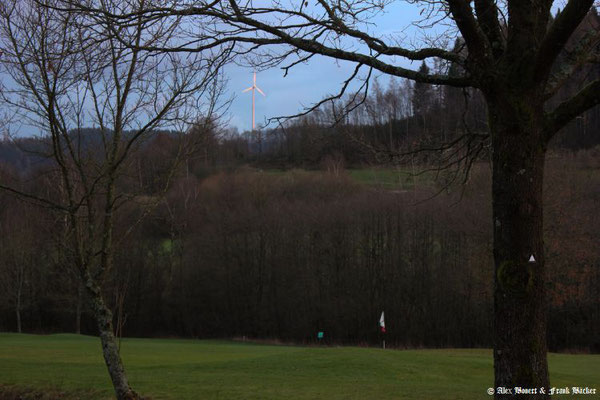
<point>253,87</point>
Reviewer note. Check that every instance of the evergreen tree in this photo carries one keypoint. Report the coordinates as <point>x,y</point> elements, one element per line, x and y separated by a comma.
<point>423,96</point>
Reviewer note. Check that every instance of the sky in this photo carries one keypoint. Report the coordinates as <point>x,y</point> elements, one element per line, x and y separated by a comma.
<point>304,85</point>
<point>308,83</point>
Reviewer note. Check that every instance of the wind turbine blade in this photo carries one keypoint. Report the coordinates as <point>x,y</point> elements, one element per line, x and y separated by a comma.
<point>260,91</point>
<point>245,90</point>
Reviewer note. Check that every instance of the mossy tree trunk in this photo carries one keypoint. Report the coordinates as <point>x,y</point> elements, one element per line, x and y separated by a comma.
<point>519,143</point>
<point>110,348</point>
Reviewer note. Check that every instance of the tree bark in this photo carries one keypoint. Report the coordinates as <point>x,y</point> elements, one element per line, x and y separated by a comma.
<point>19,294</point>
<point>110,348</point>
<point>519,286</point>
<point>78,308</point>
<point>18,312</point>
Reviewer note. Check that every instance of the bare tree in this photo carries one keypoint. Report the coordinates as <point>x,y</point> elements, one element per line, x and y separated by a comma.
<point>17,256</point>
<point>67,71</point>
<point>511,54</point>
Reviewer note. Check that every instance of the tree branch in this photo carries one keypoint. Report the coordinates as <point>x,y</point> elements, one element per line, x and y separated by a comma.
<point>475,38</point>
<point>33,198</point>
<point>244,30</point>
<point>487,15</point>
<point>587,98</point>
<point>312,46</point>
<point>559,33</point>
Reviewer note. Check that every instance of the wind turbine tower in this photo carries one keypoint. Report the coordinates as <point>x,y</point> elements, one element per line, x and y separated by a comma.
<point>253,88</point>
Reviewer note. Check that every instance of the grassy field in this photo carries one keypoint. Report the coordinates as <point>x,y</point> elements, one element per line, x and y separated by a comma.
<point>391,178</point>
<point>381,177</point>
<point>204,369</point>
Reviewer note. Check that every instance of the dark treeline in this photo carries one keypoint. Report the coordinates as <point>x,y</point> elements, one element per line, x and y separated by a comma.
<point>283,256</point>
<point>400,117</point>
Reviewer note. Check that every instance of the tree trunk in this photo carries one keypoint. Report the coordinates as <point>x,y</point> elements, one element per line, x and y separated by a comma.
<point>519,286</point>
<point>78,308</point>
<point>18,302</point>
<point>18,312</point>
<point>110,349</point>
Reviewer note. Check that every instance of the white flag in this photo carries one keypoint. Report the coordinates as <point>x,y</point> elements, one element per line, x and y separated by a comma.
<point>382,323</point>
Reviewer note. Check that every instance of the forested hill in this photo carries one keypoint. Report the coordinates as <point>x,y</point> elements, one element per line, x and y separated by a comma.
<point>26,153</point>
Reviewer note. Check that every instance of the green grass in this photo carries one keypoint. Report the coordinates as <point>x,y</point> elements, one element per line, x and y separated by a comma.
<point>205,369</point>
<point>386,178</point>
